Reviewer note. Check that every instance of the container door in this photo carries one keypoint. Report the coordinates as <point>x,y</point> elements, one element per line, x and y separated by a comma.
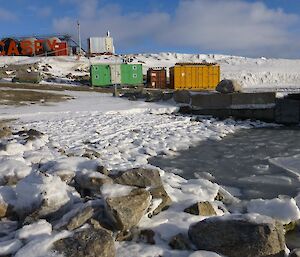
<point>95,75</point>
<point>115,71</point>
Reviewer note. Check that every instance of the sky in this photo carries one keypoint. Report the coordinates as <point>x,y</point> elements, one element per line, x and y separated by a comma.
<point>253,28</point>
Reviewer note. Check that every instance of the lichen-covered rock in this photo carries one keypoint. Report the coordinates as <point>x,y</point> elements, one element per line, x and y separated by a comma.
<point>160,193</point>
<point>23,76</point>
<point>139,177</point>
<point>76,218</point>
<point>202,209</point>
<point>239,235</point>
<point>3,209</point>
<point>127,211</point>
<point>92,180</point>
<point>87,243</point>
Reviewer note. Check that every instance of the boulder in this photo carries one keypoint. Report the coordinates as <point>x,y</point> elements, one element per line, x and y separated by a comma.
<point>23,76</point>
<point>76,218</point>
<point>102,170</point>
<point>91,154</point>
<point>295,253</point>
<point>87,243</point>
<point>154,96</point>
<point>146,236</point>
<point>127,211</point>
<point>182,96</point>
<point>139,177</point>
<point>180,242</point>
<point>92,180</point>
<point>42,195</point>
<point>160,193</point>
<point>5,132</point>
<point>239,235</point>
<point>3,209</point>
<point>202,209</point>
<point>228,86</point>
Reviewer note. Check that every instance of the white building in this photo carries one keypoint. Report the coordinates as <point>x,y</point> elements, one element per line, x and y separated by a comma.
<point>100,45</point>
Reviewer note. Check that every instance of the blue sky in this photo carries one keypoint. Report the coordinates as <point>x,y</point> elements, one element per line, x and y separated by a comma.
<point>241,27</point>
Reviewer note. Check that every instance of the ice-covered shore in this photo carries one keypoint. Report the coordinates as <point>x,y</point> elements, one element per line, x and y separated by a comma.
<point>119,135</point>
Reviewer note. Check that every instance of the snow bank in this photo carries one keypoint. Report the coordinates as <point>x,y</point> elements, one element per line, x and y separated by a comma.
<point>41,189</point>
<point>39,246</point>
<point>284,210</point>
<point>115,190</point>
<point>34,230</point>
<point>13,168</point>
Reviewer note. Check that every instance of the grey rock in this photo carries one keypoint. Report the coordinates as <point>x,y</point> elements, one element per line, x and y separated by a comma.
<point>127,211</point>
<point>3,209</point>
<point>87,243</point>
<point>228,86</point>
<point>5,132</point>
<point>102,170</point>
<point>182,96</point>
<point>139,177</point>
<point>160,193</point>
<point>79,218</point>
<point>180,242</point>
<point>239,235</point>
<point>92,181</point>
<point>202,209</point>
<point>146,236</point>
<point>295,253</point>
<point>167,96</point>
<point>23,76</point>
<point>154,96</point>
<point>91,154</point>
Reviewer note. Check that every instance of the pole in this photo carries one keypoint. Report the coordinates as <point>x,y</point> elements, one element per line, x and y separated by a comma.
<point>115,84</point>
<point>79,37</point>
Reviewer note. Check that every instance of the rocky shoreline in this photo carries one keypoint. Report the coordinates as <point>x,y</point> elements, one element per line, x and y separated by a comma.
<point>76,207</point>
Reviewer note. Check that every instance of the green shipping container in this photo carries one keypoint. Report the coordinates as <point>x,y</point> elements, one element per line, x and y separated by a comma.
<point>131,74</point>
<point>100,75</point>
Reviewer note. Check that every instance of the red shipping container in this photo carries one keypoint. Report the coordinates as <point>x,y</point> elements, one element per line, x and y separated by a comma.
<point>61,49</point>
<point>157,78</point>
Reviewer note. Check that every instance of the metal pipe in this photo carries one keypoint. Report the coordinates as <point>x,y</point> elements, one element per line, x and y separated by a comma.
<point>79,36</point>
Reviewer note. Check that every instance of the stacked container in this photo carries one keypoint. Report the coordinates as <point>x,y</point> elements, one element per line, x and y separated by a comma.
<point>110,74</point>
<point>157,78</point>
<point>194,76</point>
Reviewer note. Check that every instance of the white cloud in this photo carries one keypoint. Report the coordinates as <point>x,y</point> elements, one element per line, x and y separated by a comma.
<point>6,15</point>
<point>230,26</point>
<point>126,29</point>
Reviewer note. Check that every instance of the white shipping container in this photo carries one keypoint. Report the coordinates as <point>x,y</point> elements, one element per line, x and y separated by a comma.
<point>98,45</point>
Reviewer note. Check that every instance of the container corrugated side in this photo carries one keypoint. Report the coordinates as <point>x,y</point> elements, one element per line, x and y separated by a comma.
<point>157,78</point>
<point>195,77</point>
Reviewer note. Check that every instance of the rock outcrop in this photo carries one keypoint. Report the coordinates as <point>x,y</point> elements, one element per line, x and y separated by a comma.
<point>87,243</point>
<point>127,211</point>
<point>239,235</point>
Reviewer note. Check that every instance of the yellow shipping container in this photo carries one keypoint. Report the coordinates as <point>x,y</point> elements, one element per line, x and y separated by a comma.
<point>195,76</point>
